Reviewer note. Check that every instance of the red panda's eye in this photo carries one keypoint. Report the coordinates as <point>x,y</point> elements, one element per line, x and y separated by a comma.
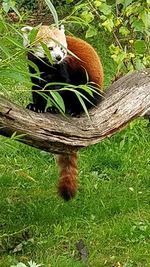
<point>50,48</point>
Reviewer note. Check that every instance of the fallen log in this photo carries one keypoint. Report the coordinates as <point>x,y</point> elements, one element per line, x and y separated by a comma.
<point>125,100</point>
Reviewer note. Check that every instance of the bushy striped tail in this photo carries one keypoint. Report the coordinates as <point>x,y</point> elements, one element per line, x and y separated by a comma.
<point>68,175</point>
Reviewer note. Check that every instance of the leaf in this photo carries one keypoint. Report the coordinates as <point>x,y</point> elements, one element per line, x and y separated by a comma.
<point>87,16</point>
<point>58,99</point>
<point>87,89</point>
<point>16,43</point>
<point>92,31</point>
<point>6,6</point>
<point>105,9</point>
<point>124,31</point>
<point>34,66</point>
<point>108,24</point>
<point>53,11</point>
<point>83,104</point>
<point>145,16</point>
<point>140,46</point>
<point>138,25</point>
<point>12,74</point>
<point>33,34</point>
<point>47,52</point>
<point>139,64</point>
<point>127,2</point>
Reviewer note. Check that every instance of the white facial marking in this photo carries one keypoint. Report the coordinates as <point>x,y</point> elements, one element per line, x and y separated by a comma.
<point>57,51</point>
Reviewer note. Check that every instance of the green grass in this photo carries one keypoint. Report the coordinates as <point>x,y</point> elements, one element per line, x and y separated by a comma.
<point>111,212</point>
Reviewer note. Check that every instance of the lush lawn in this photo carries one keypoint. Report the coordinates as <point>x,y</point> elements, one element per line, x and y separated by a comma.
<point>111,212</point>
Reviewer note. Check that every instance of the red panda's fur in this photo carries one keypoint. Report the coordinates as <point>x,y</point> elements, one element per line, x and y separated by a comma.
<point>91,62</point>
<point>89,59</point>
<point>88,62</point>
<point>68,173</point>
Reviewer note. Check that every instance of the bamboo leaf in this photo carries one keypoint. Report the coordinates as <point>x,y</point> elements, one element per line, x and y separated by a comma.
<point>33,34</point>
<point>58,99</point>
<point>34,66</point>
<point>15,42</point>
<point>47,52</point>
<point>83,104</point>
<point>53,11</point>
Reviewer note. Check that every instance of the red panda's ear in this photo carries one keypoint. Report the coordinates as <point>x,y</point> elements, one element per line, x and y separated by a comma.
<point>26,30</point>
<point>62,28</point>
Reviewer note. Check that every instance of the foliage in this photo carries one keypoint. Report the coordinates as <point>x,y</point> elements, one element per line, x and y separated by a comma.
<point>34,4</point>
<point>111,211</point>
<point>8,5</point>
<point>128,24</point>
<point>126,21</point>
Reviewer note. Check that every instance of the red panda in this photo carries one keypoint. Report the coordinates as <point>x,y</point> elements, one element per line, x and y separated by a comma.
<point>89,59</point>
<point>66,68</point>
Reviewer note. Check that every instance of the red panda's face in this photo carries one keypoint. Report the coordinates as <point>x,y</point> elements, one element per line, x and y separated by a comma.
<point>54,38</point>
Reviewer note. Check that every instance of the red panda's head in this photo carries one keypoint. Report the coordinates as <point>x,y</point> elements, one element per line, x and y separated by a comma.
<point>53,37</point>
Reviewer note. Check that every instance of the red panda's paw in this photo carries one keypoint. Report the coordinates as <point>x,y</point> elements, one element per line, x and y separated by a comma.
<point>67,190</point>
<point>35,108</point>
<point>73,113</point>
<point>52,110</point>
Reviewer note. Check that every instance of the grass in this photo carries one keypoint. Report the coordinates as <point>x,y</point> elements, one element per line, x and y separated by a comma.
<point>111,212</point>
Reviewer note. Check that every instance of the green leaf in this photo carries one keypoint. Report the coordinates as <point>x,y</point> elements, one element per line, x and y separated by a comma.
<point>83,104</point>
<point>105,9</point>
<point>87,89</point>
<point>145,16</point>
<point>138,25</point>
<point>87,16</point>
<point>124,31</point>
<point>92,31</point>
<point>53,11</point>
<point>108,24</point>
<point>127,2</point>
<point>16,43</point>
<point>58,99</point>
<point>47,52</point>
<point>6,6</point>
<point>140,46</point>
<point>119,2</point>
<point>11,74</point>
<point>33,34</point>
<point>139,64</point>
<point>34,66</point>
<point>4,49</point>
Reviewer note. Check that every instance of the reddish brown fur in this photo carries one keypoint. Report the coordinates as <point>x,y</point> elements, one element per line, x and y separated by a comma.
<point>68,172</point>
<point>91,62</point>
<point>89,59</point>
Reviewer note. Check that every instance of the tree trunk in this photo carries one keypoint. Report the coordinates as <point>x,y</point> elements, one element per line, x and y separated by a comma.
<point>126,99</point>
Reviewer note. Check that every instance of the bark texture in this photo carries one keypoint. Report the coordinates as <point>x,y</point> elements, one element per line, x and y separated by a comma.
<point>126,99</point>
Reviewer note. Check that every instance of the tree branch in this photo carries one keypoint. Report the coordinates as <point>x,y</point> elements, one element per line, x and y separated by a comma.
<point>126,99</point>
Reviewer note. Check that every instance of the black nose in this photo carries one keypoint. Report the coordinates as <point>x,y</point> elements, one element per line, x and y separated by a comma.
<point>58,58</point>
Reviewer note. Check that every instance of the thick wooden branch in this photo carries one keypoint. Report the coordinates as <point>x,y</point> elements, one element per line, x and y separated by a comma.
<point>126,99</point>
